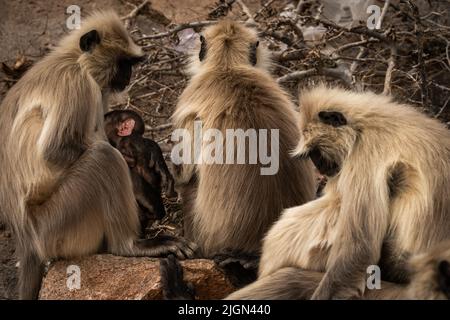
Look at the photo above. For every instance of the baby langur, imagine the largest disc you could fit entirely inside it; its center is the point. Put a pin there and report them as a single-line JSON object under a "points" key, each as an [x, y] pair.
{"points": [[65, 191], [124, 129], [229, 207], [387, 197]]}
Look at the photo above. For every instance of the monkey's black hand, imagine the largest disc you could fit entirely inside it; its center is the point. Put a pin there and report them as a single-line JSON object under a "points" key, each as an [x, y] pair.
{"points": [[240, 267], [173, 285], [164, 245], [229, 256]]}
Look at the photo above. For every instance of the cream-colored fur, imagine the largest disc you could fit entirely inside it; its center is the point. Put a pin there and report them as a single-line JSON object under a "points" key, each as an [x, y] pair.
{"points": [[63, 189], [295, 283], [231, 206], [392, 192]]}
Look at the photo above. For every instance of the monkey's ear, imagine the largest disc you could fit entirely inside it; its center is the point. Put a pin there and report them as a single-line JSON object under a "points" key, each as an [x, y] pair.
{"points": [[203, 48], [333, 118], [89, 40], [444, 277], [253, 56]]}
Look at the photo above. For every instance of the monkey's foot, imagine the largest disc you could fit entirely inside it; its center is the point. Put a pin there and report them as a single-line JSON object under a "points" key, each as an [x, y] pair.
{"points": [[173, 285], [241, 268]]}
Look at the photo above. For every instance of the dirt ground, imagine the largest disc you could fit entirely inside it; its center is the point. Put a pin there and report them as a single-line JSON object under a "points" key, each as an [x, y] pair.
{"points": [[8, 278]]}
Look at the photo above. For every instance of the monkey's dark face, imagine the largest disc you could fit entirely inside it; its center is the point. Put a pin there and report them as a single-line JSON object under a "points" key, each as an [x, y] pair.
{"points": [[122, 75], [110, 58], [323, 163], [326, 139]]}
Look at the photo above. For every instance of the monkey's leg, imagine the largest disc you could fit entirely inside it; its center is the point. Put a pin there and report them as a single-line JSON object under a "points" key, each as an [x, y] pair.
{"points": [[173, 285], [144, 218], [160, 211], [284, 284], [151, 207], [31, 270], [300, 238], [143, 201], [166, 177], [161, 167], [363, 222], [150, 198]]}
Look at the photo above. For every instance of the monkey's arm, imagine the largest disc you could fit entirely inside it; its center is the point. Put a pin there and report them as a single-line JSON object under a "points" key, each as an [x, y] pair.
{"points": [[185, 168], [161, 168], [68, 123], [362, 224]]}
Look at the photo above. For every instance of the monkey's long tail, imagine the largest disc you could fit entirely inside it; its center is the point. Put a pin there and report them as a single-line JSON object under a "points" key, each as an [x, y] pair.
{"points": [[31, 270]]}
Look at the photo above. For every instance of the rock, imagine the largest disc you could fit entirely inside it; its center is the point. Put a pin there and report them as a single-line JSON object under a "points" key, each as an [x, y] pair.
{"points": [[121, 278]]}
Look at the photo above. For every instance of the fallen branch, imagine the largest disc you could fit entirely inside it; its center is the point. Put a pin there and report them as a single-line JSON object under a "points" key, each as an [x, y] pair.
{"points": [[134, 13], [383, 13], [178, 28], [328, 72], [357, 30], [297, 75], [288, 55], [354, 44], [389, 71], [442, 109], [246, 11], [159, 128], [264, 7]]}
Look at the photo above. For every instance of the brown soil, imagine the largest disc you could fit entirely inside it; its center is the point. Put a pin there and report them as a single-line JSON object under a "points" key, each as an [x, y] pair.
{"points": [[8, 276]]}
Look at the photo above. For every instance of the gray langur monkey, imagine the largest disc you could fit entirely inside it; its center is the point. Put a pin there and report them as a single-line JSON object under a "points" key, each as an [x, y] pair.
{"points": [[387, 197], [228, 208], [64, 190], [429, 280]]}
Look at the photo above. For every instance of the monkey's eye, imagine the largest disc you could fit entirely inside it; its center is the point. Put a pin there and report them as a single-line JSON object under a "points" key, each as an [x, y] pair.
{"points": [[332, 118], [203, 48]]}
